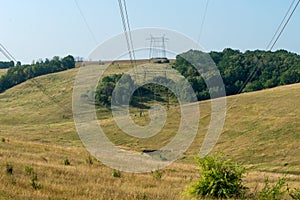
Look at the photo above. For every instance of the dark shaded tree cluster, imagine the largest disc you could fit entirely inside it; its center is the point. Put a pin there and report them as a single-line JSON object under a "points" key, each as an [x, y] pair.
{"points": [[268, 69], [5, 65], [20, 73], [105, 89], [128, 90]]}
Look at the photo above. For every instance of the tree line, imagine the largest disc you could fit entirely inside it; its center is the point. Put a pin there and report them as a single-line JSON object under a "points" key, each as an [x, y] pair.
{"points": [[123, 93], [20, 73], [5, 65], [267, 69]]}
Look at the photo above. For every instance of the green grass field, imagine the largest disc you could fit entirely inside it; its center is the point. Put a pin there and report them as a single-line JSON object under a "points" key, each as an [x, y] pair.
{"points": [[261, 132]]}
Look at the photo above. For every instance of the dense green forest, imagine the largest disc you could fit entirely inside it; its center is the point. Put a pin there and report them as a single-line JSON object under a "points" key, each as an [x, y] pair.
{"points": [[266, 69], [20, 73], [5, 65]]}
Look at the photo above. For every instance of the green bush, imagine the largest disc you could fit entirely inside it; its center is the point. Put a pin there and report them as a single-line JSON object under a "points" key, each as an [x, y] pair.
{"points": [[28, 170], [274, 192], [157, 174], [219, 178], [295, 194], [116, 174], [34, 183], [66, 161], [9, 169]]}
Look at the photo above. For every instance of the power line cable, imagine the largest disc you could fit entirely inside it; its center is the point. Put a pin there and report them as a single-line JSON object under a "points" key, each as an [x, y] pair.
{"points": [[124, 24], [250, 77], [34, 80], [6, 53], [280, 33], [86, 23], [44, 91], [129, 31], [203, 20], [129, 41], [280, 25]]}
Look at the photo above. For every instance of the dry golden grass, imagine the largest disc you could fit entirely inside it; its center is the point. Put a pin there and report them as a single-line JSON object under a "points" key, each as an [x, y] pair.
{"points": [[80, 180], [261, 132], [2, 72]]}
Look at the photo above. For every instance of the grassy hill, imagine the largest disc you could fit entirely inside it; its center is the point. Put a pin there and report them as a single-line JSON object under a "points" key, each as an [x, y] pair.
{"points": [[3, 71], [37, 130]]}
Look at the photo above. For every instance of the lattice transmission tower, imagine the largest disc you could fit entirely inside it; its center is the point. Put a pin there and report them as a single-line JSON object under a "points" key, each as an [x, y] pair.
{"points": [[157, 47]]}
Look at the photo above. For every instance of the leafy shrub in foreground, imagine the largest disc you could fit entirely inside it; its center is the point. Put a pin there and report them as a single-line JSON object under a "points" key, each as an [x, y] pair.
{"points": [[295, 194], [219, 178], [275, 192]]}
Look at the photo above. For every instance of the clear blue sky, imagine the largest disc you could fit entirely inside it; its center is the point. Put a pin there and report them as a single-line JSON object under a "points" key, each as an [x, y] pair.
{"points": [[35, 29]]}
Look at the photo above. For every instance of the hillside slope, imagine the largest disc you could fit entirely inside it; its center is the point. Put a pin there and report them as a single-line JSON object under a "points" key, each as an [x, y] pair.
{"points": [[261, 131], [2, 71]]}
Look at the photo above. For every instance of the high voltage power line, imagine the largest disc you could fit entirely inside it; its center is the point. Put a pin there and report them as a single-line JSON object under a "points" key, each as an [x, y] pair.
{"points": [[130, 46], [6, 53], [86, 23], [270, 45], [203, 20], [127, 30], [280, 25], [275, 41], [129, 41], [285, 24], [42, 88]]}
